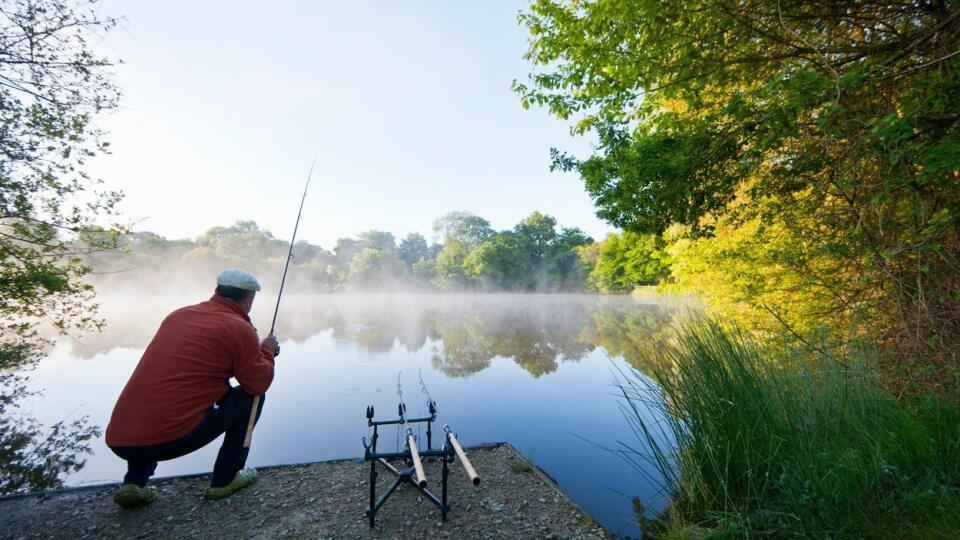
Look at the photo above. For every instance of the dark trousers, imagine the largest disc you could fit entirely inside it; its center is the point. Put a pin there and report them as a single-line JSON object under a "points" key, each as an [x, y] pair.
{"points": [[230, 416]]}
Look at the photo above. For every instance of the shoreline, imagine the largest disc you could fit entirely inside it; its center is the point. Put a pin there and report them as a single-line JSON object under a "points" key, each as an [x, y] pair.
{"points": [[324, 499]]}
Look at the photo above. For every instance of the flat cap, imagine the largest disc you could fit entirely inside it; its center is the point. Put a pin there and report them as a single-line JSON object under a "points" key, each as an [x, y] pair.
{"points": [[241, 279]]}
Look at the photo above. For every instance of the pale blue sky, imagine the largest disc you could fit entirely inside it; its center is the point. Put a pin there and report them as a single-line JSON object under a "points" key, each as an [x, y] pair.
{"points": [[407, 106]]}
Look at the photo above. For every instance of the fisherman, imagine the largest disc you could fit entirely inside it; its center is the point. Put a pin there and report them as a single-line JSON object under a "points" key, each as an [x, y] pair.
{"points": [[179, 397]]}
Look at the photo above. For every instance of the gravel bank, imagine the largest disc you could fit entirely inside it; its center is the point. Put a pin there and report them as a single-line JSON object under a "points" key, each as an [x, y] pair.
{"points": [[325, 500]]}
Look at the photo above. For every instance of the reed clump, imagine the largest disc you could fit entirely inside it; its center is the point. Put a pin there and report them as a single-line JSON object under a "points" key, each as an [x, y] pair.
{"points": [[748, 440]]}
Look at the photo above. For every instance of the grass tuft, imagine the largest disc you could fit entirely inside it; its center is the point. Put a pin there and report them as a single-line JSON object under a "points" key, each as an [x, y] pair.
{"points": [[784, 442]]}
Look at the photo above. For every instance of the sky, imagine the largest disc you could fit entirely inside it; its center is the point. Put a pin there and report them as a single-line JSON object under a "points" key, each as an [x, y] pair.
{"points": [[406, 107]]}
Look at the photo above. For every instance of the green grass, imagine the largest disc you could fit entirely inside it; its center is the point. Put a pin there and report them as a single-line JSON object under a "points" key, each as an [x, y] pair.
{"points": [[523, 466], [788, 443]]}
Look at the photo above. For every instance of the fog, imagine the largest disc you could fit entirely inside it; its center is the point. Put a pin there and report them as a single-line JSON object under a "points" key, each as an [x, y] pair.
{"points": [[537, 331], [466, 255]]}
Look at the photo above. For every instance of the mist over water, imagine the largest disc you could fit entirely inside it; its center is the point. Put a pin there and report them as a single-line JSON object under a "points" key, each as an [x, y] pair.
{"points": [[534, 370]]}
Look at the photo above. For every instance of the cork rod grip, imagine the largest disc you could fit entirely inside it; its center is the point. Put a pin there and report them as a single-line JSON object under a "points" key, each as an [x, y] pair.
{"points": [[467, 466], [252, 422], [417, 464]]}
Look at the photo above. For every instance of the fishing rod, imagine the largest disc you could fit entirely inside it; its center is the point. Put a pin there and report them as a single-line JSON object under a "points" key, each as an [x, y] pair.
{"points": [[412, 456], [286, 266], [256, 399], [411, 441], [451, 436]]}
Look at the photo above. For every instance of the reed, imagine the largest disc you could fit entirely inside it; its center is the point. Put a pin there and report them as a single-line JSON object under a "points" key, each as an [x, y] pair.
{"points": [[750, 440]]}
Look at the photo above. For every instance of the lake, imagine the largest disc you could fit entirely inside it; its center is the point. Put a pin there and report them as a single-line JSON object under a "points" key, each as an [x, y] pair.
{"points": [[536, 371]]}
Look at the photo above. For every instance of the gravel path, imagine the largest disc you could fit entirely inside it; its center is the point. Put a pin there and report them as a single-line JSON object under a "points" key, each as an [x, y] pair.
{"points": [[325, 500]]}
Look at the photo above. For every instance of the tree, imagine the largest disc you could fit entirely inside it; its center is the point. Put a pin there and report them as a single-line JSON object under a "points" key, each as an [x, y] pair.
{"points": [[243, 243], [376, 268], [52, 85], [624, 261], [305, 251], [372, 260], [538, 233], [379, 240], [502, 262], [552, 260], [450, 265], [425, 270], [462, 227], [344, 251], [837, 121], [567, 270], [414, 249]]}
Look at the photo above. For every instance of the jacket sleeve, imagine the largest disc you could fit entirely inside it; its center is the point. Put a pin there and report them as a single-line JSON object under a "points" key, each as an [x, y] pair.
{"points": [[252, 364]]}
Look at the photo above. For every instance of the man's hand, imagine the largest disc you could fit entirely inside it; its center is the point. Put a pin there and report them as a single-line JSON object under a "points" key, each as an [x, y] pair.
{"points": [[271, 341]]}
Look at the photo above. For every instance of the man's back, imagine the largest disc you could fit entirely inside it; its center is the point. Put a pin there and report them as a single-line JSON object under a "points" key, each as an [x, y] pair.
{"points": [[185, 369]]}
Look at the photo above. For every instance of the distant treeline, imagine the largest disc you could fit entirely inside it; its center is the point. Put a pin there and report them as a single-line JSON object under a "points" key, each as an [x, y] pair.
{"points": [[467, 254]]}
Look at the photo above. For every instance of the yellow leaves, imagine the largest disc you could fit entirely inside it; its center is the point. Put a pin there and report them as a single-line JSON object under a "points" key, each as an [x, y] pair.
{"points": [[674, 105], [760, 276]]}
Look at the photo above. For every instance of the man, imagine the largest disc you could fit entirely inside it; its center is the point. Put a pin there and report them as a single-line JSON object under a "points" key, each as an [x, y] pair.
{"points": [[179, 397]]}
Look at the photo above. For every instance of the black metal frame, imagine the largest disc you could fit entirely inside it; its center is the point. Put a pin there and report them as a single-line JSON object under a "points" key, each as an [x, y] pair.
{"points": [[405, 475]]}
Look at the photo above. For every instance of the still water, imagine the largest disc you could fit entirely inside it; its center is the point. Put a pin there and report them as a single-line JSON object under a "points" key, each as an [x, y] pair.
{"points": [[536, 371]]}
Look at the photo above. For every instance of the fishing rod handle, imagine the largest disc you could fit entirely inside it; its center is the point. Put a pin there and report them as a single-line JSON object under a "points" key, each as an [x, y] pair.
{"points": [[417, 464], [248, 437], [467, 466]]}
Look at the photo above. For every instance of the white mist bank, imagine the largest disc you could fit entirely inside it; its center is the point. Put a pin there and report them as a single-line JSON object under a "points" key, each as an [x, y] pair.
{"points": [[379, 320]]}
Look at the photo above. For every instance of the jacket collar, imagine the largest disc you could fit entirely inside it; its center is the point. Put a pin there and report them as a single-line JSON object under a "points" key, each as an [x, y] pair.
{"points": [[230, 304]]}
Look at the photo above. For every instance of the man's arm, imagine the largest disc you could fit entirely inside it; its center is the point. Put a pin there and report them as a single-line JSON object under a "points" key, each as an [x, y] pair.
{"points": [[253, 364]]}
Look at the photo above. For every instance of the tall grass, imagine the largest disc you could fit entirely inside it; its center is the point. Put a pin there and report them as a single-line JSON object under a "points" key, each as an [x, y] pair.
{"points": [[789, 443]]}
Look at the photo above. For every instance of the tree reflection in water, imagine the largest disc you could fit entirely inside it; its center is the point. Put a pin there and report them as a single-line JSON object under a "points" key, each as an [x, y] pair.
{"points": [[469, 331], [466, 331], [33, 458]]}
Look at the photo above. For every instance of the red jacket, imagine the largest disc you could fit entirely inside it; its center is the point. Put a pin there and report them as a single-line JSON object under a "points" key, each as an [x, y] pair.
{"points": [[186, 369]]}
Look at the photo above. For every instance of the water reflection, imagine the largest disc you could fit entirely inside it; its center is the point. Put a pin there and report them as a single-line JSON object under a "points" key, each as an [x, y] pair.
{"points": [[32, 456], [538, 332]]}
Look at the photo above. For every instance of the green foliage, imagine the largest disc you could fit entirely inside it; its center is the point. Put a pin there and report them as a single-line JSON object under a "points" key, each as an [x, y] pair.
{"points": [[51, 86], [462, 227], [832, 133], [375, 268], [564, 269], [785, 442], [625, 261], [450, 266], [533, 256], [242, 243], [413, 249], [425, 270], [52, 214], [538, 234], [378, 240], [345, 250], [502, 261]]}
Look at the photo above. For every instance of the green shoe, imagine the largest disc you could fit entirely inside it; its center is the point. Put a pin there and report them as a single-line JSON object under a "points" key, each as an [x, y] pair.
{"points": [[134, 496], [244, 478]]}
